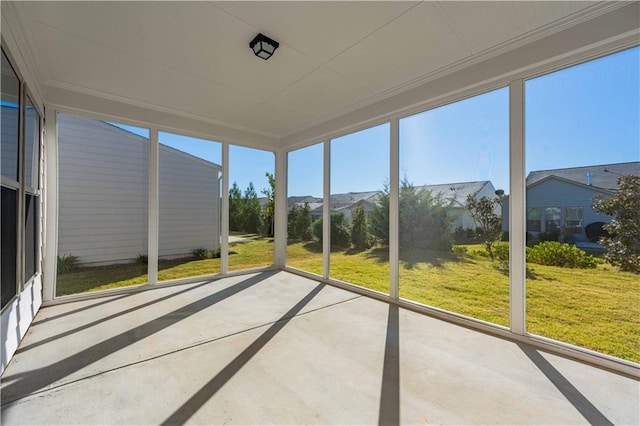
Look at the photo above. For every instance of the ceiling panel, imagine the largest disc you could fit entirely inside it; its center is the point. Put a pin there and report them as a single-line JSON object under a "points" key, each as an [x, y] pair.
{"points": [[486, 24], [320, 30], [191, 37], [193, 57], [409, 47], [106, 70], [321, 93]]}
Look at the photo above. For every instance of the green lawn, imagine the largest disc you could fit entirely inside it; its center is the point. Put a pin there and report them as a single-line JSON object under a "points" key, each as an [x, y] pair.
{"points": [[242, 255], [595, 308]]}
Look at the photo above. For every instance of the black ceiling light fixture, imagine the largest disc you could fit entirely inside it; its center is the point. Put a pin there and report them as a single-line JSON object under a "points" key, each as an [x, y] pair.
{"points": [[263, 47]]}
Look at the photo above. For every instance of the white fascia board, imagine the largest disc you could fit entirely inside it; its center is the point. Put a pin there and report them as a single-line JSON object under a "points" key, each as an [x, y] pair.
{"points": [[128, 113]]}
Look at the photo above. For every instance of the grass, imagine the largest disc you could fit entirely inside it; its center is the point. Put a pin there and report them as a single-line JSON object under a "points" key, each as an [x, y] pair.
{"points": [[242, 255], [594, 308]]}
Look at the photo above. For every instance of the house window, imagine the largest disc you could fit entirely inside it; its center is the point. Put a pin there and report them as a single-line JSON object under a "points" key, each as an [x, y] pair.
{"points": [[573, 220], [534, 218], [10, 144], [552, 216], [19, 160], [31, 159]]}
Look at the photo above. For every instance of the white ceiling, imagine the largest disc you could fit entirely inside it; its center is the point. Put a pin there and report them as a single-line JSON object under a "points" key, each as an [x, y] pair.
{"points": [[193, 58]]}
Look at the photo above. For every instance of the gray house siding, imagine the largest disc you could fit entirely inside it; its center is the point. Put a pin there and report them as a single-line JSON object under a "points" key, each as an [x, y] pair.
{"points": [[554, 192], [103, 195], [189, 203]]}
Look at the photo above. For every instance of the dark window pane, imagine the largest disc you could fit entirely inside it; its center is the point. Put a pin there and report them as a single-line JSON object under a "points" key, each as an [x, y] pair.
{"points": [[9, 243], [30, 235], [9, 118], [32, 146]]}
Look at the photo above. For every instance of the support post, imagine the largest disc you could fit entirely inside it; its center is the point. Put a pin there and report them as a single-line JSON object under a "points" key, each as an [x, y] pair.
{"points": [[517, 259]]}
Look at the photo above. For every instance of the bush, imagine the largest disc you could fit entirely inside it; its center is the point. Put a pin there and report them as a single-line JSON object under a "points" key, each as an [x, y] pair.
{"points": [[340, 234], [424, 223], [67, 263], [553, 253], [142, 259], [465, 235], [460, 249], [501, 252], [200, 253]]}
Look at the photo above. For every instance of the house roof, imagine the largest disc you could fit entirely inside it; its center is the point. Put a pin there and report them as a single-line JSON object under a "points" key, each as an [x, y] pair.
{"points": [[603, 176], [458, 192]]}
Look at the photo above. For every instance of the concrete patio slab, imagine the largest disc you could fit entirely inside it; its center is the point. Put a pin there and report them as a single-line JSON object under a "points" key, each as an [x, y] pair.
{"points": [[275, 348]]}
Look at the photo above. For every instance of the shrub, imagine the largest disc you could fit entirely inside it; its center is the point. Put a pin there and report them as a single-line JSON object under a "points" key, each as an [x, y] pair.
{"points": [[423, 221], [460, 249], [200, 253], [465, 235], [340, 234], [501, 252], [67, 263], [141, 259], [553, 253]]}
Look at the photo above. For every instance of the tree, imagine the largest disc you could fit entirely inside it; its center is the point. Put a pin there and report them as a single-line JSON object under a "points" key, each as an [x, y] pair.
{"points": [[299, 223], [235, 208], [251, 210], [379, 217], [269, 208], [424, 223], [340, 234], [623, 242], [303, 226], [489, 223], [359, 228]]}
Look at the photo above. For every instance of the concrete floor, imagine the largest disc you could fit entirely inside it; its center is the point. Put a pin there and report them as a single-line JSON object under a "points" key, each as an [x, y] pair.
{"points": [[275, 348]]}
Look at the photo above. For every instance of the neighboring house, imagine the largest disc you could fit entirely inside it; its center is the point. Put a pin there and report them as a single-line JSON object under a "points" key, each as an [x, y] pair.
{"points": [[103, 187], [453, 193], [456, 194], [560, 200]]}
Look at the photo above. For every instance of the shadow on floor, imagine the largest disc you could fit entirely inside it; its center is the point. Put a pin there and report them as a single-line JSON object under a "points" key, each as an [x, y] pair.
{"points": [[184, 413], [23, 384], [573, 395], [390, 393], [100, 321]]}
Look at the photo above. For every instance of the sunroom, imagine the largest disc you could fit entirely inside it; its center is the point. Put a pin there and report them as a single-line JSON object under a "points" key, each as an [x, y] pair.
{"points": [[391, 214]]}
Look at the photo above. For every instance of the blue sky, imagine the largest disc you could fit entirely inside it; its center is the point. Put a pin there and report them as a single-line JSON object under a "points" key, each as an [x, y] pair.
{"points": [[584, 115]]}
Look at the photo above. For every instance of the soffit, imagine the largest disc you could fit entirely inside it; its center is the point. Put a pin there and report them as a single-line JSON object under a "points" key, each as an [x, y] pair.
{"points": [[193, 59]]}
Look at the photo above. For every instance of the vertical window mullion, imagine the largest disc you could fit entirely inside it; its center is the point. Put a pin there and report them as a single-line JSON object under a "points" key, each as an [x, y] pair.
{"points": [[326, 211], [517, 262], [224, 239], [21, 191], [394, 216], [152, 259]]}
